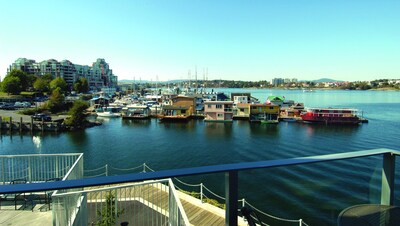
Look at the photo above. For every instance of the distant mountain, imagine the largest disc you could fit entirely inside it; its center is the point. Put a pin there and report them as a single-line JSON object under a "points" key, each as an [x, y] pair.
{"points": [[133, 81], [326, 80], [147, 81]]}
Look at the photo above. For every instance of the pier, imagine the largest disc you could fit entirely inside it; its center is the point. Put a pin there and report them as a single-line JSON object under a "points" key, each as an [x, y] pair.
{"points": [[22, 126]]}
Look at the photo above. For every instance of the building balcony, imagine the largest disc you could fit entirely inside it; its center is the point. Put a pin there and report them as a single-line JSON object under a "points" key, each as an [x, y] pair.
{"points": [[152, 199]]}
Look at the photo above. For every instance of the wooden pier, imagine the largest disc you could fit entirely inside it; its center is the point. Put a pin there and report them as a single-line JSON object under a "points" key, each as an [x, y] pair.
{"points": [[20, 125]]}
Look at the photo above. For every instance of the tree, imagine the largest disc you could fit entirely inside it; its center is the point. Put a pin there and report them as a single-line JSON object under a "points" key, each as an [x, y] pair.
{"points": [[48, 77], [17, 81], [58, 83], [81, 86], [56, 100], [42, 85], [77, 113], [11, 85]]}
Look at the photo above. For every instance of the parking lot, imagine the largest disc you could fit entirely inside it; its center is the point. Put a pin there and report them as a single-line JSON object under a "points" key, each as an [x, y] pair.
{"points": [[25, 118]]}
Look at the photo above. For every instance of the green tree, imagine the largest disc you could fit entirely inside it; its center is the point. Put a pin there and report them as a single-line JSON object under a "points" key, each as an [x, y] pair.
{"points": [[107, 213], [48, 77], [81, 86], [11, 85], [58, 83], [21, 75], [77, 113], [56, 100], [42, 85]]}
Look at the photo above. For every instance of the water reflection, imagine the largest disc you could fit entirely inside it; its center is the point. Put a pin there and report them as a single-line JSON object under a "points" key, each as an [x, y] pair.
{"points": [[322, 129], [37, 142], [178, 124], [78, 138], [218, 129], [271, 130], [136, 123]]}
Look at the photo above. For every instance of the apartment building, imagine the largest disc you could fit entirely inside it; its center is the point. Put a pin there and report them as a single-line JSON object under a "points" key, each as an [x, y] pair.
{"points": [[98, 75]]}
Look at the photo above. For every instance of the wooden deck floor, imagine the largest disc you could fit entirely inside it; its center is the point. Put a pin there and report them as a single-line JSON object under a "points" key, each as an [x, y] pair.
{"points": [[154, 206]]}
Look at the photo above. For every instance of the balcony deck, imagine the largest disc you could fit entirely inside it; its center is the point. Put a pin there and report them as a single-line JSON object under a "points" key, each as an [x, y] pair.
{"points": [[198, 213], [25, 217]]}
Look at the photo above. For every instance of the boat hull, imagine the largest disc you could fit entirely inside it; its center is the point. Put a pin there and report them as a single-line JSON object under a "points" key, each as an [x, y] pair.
{"points": [[331, 120], [174, 118], [107, 115], [269, 121]]}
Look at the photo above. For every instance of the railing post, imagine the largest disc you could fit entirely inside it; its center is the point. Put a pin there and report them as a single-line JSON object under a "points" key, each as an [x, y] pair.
{"points": [[201, 192], [29, 170], [300, 222], [11, 124], [106, 169], [387, 191], [3, 170], [144, 167], [231, 197]]}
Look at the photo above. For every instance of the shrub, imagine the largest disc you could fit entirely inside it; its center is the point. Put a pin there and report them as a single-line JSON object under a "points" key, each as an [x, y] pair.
{"points": [[78, 116]]}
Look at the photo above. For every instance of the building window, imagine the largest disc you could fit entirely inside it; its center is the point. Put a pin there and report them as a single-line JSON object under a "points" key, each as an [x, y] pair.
{"points": [[209, 106], [218, 106], [219, 115]]}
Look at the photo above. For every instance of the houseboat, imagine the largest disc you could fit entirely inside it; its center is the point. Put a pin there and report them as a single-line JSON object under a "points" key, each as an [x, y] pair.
{"points": [[109, 112], [175, 113], [138, 112], [218, 111], [264, 113], [331, 115]]}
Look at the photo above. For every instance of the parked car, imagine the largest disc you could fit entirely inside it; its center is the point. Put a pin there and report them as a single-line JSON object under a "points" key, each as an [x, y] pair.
{"points": [[22, 104], [7, 106], [41, 117]]}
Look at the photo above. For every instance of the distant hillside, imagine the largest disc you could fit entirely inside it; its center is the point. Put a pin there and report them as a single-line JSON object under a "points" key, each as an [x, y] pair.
{"points": [[147, 81], [326, 80], [133, 81]]}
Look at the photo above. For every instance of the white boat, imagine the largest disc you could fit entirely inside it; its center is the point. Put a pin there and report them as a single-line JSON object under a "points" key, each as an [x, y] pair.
{"points": [[109, 112]]}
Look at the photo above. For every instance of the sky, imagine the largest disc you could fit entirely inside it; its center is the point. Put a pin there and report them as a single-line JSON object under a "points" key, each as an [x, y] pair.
{"points": [[355, 40]]}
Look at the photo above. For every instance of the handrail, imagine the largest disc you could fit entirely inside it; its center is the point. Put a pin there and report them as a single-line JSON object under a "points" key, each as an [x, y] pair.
{"points": [[39, 155], [135, 177]]}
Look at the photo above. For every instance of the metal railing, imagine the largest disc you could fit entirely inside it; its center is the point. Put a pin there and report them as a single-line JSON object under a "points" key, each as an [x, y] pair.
{"points": [[145, 203], [72, 204], [199, 190], [231, 177], [36, 167]]}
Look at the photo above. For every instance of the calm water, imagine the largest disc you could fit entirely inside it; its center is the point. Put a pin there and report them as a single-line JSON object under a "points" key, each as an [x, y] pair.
{"points": [[315, 193]]}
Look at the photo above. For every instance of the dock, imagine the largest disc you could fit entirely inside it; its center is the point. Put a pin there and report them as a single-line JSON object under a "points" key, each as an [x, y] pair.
{"points": [[21, 125]]}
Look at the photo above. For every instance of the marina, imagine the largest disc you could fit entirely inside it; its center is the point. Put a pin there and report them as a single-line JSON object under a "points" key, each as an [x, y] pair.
{"points": [[279, 192]]}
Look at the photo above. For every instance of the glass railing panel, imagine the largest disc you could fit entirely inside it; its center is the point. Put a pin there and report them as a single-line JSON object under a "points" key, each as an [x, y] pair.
{"points": [[315, 193]]}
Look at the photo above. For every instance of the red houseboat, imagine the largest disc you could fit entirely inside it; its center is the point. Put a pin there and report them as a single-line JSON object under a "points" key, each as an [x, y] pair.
{"points": [[331, 115]]}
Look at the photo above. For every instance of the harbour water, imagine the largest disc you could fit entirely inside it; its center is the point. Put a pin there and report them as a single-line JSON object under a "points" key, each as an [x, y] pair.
{"points": [[316, 193]]}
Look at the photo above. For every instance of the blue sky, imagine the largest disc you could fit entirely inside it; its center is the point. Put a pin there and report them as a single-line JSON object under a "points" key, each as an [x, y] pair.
{"points": [[235, 40]]}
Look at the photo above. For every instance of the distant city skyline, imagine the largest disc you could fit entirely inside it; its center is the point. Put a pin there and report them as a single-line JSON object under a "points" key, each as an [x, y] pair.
{"points": [[231, 40]]}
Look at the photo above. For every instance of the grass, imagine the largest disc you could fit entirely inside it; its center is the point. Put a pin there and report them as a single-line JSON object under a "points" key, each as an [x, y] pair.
{"points": [[5, 95], [5, 118]]}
